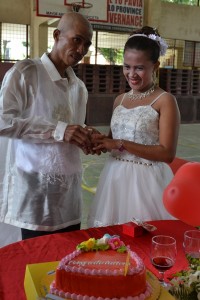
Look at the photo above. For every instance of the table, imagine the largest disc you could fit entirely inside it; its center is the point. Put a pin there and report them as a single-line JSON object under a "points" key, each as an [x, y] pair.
{"points": [[15, 257]]}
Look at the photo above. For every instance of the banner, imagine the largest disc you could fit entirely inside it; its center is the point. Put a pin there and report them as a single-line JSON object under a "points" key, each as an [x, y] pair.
{"points": [[124, 15], [107, 15]]}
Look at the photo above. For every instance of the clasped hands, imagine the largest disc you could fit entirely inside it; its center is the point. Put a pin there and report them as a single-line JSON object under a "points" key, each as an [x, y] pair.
{"points": [[84, 138]]}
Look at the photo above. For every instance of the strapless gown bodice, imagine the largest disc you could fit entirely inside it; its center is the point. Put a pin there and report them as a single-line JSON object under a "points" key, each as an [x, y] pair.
{"points": [[139, 124]]}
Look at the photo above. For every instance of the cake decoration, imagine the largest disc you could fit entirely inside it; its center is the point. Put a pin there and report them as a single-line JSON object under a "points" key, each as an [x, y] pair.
{"points": [[104, 243]]}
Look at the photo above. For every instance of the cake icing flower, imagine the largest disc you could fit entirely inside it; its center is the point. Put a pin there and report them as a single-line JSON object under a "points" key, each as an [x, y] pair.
{"points": [[89, 244], [104, 239], [115, 243], [104, 243]]}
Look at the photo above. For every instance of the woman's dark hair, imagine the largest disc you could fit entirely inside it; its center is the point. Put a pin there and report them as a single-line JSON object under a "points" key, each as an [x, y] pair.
{"points": [[151, 47]]}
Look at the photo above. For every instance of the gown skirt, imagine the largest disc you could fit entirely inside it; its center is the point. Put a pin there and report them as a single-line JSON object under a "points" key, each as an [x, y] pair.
{"points": [[129, 190]]}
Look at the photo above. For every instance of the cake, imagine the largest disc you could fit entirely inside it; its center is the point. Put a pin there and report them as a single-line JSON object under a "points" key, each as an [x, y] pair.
{"points": [[101, 269]]}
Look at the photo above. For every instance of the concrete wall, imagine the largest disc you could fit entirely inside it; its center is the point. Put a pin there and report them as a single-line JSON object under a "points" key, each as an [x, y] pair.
{"points": [[15, 11], [174, 21]]}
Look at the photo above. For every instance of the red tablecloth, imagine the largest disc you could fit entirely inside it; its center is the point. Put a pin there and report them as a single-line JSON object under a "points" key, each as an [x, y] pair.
{"points": [[13, 258]]}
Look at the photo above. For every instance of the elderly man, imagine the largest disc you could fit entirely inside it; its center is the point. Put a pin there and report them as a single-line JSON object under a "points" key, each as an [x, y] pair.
{"points": [[42, 114]]}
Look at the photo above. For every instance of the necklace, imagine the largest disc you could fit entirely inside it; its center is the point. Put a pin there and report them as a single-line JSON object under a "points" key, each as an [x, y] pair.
{"points": [[132, 95]]}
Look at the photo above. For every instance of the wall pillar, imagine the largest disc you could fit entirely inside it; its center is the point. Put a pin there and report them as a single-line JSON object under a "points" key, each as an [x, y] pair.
{"points": [[38, 40]]}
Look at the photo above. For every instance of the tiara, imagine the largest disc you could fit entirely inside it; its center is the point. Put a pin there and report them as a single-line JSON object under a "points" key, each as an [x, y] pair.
{"points": [[162, 44]]}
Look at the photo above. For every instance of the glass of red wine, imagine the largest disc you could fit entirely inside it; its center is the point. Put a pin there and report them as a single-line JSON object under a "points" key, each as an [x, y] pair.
{"points": [[163, 255]]}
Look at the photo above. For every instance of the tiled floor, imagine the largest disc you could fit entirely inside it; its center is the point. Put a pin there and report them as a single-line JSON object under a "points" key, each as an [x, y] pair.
{"points": [[188, 148]]}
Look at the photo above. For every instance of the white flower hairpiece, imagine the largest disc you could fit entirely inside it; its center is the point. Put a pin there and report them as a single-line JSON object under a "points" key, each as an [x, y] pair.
{"points": [[162, 44]]}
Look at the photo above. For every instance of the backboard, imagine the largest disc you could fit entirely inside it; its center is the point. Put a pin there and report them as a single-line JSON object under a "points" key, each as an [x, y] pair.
{"points": [[94, 10]]}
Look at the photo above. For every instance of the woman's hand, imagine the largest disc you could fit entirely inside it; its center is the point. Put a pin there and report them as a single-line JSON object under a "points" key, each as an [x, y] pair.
{"points": [[92, 134], [104, 143]]}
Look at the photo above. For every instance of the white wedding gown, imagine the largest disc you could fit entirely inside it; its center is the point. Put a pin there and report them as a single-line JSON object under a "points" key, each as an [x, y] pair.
{"points": [[130, 186]]}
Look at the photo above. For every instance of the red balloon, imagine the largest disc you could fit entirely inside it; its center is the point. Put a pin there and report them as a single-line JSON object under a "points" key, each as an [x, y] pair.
{"points": [[182, 196]]}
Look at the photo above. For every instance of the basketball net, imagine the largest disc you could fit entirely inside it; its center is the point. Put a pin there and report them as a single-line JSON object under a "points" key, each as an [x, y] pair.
{"points": [[83, 6], [76, 7]]}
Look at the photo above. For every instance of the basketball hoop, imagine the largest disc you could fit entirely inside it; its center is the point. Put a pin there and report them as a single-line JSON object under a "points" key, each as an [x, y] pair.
{"points": [[76, 6]]}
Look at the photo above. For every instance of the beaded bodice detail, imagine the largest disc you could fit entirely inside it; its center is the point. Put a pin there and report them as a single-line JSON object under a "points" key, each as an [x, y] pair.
{"points": [[139, 124]]}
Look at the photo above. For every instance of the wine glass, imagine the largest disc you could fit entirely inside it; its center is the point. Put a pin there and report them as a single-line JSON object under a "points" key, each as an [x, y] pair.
{"points": [[191, 246], [163, 255]]}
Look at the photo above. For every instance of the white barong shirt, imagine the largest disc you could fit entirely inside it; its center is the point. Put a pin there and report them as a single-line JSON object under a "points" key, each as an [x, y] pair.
{"points": [[40, 175]]}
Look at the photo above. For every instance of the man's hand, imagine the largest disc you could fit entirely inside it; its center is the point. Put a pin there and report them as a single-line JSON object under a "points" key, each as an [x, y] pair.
{"points": [[83, 138], [77, 135]]}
